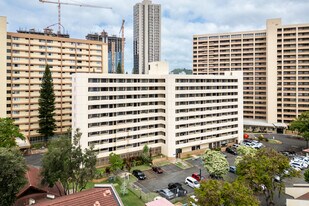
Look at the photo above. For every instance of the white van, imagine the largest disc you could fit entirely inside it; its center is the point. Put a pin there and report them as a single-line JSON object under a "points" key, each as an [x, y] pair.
{"points": [[192, 182]]}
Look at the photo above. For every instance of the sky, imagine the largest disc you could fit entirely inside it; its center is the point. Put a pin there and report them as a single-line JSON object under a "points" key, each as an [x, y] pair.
{"points": [[181, 19]]}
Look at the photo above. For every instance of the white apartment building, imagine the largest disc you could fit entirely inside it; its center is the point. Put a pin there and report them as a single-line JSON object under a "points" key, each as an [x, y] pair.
{"points": [[274, 62], [23, 57], [146, 35], [174, 115]]}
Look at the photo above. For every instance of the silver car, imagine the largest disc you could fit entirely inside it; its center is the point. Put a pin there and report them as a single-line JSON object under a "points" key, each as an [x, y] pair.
{"points": [[166, 193]]}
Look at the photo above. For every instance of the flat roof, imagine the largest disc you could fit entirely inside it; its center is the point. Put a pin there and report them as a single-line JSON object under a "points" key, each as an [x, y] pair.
{"points": [[160, 202], [260, 123]]}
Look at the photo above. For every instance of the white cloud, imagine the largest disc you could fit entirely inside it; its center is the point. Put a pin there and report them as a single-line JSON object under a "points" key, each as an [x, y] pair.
{"points": [[182, 19]]}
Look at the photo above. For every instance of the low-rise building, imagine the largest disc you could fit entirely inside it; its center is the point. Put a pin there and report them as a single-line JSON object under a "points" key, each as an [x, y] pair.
{"points": [[174, 115]]}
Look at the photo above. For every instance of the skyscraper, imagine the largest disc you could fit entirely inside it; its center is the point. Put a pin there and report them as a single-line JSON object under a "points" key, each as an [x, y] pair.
{"points": [[114, 49], [147, 35]]}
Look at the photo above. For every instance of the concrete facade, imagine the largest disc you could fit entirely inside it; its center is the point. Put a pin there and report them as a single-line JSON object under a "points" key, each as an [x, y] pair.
{"points": [[23, 57], [274, 62], [146, 35], [3, 71], [173, 114]]}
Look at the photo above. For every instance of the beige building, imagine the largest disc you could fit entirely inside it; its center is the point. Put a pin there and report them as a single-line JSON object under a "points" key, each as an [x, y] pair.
{"points": [[175, 115], [23, 56], [275, 66], [299, 194]]}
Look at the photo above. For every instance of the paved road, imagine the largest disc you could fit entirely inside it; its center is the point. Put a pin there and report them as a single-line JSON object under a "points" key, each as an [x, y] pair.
{"points": [[34, 160]]}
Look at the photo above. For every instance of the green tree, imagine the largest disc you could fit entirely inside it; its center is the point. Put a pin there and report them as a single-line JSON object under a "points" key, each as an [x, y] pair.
{"points": [[242, 151], [306, 175], [8, 133], [259, 170], [146, 157], [217, 192], [301, 125], [119, 70], [47, 124], [215, 163], [116, 162], [12, 174], [68, 163]]}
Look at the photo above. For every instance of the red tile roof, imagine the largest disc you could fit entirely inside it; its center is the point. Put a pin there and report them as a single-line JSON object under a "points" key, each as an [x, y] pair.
{"points": [[304, 196], [34, 181], [100, 196]]}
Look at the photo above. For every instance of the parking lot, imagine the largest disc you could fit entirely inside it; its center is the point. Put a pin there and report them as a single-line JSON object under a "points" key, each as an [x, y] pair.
{"points": [[172, 173]]}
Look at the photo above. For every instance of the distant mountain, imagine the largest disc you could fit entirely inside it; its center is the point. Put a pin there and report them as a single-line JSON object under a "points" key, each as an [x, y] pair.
{"points": [[181, 71]]}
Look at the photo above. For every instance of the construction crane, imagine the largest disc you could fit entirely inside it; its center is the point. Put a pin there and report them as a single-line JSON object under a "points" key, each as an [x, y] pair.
{"points": [[122, 45], [59, 3]]}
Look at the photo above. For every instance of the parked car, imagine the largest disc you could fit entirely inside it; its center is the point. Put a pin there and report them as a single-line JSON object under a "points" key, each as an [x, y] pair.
{"points": [[192, 182], [213, 176], [302, 159], [166, 193], [157, 170], [177, 189], [298, 165], [235, 146], [197, 176], [277, 178], [256, 145], [231, 150], [232, 169], [139, 174]]}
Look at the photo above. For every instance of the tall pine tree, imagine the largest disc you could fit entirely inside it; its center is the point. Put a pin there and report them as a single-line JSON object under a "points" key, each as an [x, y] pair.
{"points": [[47, 106]]}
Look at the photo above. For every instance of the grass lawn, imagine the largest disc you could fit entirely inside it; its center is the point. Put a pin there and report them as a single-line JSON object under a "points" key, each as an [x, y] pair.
{"points": [[129, 199], [163, 163], [141, 167]]}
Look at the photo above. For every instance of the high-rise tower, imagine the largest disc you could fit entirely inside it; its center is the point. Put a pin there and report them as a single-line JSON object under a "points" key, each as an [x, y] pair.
{"points": [[147, 35]]}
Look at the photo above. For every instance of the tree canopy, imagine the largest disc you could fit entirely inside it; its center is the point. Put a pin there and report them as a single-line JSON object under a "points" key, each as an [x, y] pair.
{"points": [[68, 163], [215, 163], [259, 172], [146, 155], [47, 124], [242, 151], [217, 192], [12, 174], [8, 133], [116, 162], [306, 175], [301, 125]]}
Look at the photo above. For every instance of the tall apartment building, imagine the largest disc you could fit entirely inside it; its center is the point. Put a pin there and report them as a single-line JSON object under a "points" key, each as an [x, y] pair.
{"points": [[146, 35], [174, 115], [114, 43], [275, 66], [23, 57]]}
